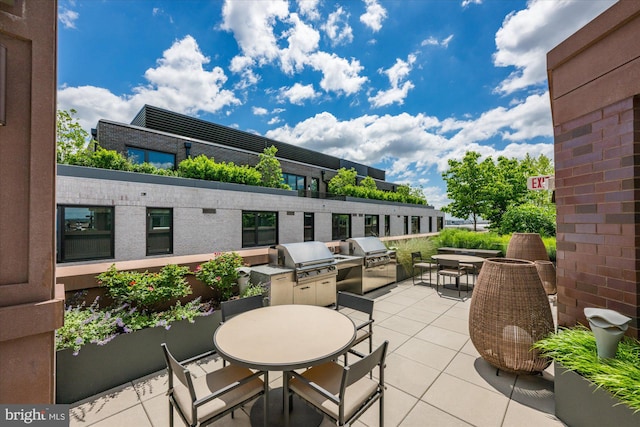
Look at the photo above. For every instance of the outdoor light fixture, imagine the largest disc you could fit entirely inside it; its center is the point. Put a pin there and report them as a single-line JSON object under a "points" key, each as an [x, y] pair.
{"points": [[3, 84]]}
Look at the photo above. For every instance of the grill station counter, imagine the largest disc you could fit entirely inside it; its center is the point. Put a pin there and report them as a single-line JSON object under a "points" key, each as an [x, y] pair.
{"points": [[378, 268], [299, 273]]}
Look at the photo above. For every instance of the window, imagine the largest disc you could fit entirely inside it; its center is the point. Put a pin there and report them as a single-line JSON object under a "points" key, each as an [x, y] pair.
{"points": [[406, 225], [387, 225], [296, 182], [308, 227], [156, 158], [415, 225], [371, 227], [85, 233], [341, 226], [259, 228], [430, 224], [159, 231]]}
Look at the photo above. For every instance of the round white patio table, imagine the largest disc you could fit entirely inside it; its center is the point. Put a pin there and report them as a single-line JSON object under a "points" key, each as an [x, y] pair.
{"points": [[284, 338]]}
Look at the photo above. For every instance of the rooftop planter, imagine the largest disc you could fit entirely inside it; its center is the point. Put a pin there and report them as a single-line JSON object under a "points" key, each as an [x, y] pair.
{"points": [[590, 391]]}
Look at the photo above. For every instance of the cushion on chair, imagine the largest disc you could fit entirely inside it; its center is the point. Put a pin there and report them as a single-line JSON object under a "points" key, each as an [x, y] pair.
{"points": [[361, 335], [212, 382], [328, 376], [450, 273]]}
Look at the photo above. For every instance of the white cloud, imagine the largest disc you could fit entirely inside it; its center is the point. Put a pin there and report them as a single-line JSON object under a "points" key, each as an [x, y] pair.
{"points": [[433, 41], [337, 27], [179, 82], [374, 15], [68, 17], [309, 8], [339, 75], [259, 111], [298, 93], [253, 24], [274, 120], [527, 35], [466, 3], [302, 40], [410, 146], [399, 89]]}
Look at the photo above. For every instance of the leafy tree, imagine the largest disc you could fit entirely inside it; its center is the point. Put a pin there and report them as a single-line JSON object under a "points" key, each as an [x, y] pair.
{"points": [[539, 166], [529, 218], [506, 186], [344, 178], [70, 137], [270, 168], [466, 186], [368, 183]]}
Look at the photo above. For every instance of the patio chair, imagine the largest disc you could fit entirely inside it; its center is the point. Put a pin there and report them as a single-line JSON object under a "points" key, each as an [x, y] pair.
{"points": [[233, 307], [418, 262], [343, 393], [451, 269], [204, 399], [364, 329]]}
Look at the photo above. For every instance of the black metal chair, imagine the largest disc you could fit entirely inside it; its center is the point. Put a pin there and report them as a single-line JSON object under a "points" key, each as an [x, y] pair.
{"points": [[418, 262], [236, 306], [364, 329], [451, 269], [233, 307], [343, 393], [204, 399]]}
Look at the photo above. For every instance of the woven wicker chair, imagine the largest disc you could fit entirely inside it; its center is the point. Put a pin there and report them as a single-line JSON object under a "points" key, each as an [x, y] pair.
{"points": [[509, 312], [527, 246]]}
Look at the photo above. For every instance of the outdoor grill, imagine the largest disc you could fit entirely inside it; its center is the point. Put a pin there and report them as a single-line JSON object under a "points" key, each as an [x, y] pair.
{"points": [[310, 260], [378, 268]]}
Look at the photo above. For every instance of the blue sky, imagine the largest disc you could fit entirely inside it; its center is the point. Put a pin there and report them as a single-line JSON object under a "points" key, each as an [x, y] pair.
{"points": [[402, 85]]}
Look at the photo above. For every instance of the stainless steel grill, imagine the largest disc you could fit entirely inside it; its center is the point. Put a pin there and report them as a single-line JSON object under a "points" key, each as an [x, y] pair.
{"points": [[309, 260], [378, 268]]}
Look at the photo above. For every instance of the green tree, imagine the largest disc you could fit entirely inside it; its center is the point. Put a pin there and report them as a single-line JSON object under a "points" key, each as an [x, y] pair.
{"points": [[70, 137], [506, 186], [270, 168], [539, 166], [340, 183], [466, 186], [368, 183]]}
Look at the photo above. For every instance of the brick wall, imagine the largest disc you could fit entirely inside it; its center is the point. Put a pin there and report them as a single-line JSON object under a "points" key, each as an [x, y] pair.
{"points": [[597, 159]]}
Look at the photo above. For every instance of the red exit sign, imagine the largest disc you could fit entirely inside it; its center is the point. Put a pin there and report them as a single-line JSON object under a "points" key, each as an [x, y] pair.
{"points": [[545, 182]]}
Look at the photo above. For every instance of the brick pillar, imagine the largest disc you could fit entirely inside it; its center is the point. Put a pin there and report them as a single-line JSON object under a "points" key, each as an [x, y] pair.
{"points": [[597, 160]]}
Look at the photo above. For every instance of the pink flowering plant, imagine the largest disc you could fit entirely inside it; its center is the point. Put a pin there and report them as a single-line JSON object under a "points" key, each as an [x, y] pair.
{"points": [[220, 272], [146, 290]]}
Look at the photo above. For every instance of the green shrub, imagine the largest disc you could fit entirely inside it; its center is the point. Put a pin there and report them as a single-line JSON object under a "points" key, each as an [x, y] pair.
{"points": [[575, 349], [253, 290], [84, 325], [405, 247], [203, 167], [462, 238], [220, 272], [529, 218], [143, 289]]}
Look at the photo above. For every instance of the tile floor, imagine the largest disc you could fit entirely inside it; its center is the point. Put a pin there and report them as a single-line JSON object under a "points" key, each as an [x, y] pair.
{"points": [[434, 375]]}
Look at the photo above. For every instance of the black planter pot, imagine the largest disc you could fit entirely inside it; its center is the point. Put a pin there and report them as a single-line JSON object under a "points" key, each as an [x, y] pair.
{"points": [[580, 403], [129, 356]]}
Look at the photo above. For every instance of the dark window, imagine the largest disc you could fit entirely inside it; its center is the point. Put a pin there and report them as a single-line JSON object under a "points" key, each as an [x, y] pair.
{"points": [[341, 226], [406, 225], [85, 233], [371, 226], [296, 182], [430, 224], [156, 158], [315, 184], [415, 225], [159, 231], [387, 225], [308, 227], [259, 228]]}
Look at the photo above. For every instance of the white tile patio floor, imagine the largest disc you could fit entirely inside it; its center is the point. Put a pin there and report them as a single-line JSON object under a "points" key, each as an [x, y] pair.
{"points": [[434, 375]]}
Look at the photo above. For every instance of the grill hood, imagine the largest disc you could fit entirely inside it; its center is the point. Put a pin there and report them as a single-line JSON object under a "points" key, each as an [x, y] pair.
{"points": [[366, 246], [301, 255]]}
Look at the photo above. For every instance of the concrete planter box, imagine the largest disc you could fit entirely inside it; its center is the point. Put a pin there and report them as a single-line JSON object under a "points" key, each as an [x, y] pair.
{"points": [[580, 403], [129, 356]]}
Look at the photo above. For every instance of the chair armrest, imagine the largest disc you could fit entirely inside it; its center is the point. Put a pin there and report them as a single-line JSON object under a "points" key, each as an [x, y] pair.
{"points": [[362, 325], [315, 387], [227, 389], [199, 356]]}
